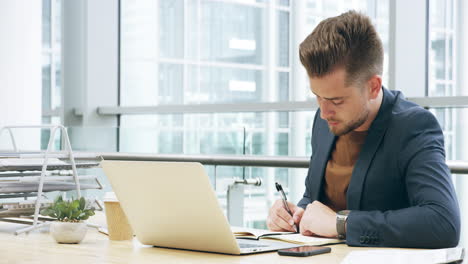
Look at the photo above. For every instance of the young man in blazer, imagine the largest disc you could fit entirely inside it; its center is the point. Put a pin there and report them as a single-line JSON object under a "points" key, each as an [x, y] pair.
{"points": [[377, 175]]}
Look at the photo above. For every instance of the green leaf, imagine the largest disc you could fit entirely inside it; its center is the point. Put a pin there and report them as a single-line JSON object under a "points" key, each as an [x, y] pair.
{"points": [[65, 211], [89, 212], [60, 206], [70, 211], [76, 214], [59, 215], [59, 199], [82, 203], [48, 212]]}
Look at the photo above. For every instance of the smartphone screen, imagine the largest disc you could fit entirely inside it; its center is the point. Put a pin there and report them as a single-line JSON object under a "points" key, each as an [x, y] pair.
{"points": [[304, 251]]}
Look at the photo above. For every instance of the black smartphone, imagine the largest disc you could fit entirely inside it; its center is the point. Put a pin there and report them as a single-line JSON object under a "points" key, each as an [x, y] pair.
{"points": [[304, 251]]}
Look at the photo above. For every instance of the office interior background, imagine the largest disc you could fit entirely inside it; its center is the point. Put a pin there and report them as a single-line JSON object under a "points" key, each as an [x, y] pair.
{"points": [[214, 77]]}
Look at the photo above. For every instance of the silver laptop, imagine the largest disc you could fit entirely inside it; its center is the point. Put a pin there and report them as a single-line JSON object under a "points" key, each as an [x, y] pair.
{"points": [[172, 204]]}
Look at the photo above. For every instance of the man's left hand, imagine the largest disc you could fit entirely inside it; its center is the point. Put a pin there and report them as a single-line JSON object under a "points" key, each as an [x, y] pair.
{"points": [[318, 219]]}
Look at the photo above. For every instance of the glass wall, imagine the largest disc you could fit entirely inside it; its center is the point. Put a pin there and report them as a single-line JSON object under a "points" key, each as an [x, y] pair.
{"points": [[443, 73], [51, 65], [51, 61], [443, 81], [209, 51], [185, 52]]}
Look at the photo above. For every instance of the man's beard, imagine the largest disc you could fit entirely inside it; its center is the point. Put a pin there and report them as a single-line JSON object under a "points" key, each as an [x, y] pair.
{"points": [[352, 125]]}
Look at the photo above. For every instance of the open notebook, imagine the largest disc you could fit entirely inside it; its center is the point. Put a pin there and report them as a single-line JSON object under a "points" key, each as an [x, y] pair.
{"points": [[257, 234]]}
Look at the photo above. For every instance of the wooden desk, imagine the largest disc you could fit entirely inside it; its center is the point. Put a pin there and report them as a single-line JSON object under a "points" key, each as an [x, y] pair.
{"points": [[39, 247], [96, 248]]}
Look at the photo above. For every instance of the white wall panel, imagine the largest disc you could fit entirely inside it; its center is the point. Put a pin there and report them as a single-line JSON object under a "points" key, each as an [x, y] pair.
{"points": [[20, 67]]}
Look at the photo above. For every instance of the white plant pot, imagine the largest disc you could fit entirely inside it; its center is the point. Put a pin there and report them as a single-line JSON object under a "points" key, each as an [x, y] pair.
{"points": [[68, 233]]}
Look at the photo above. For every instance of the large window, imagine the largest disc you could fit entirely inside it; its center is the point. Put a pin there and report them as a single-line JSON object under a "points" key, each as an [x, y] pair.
{"points": [[443, 70], [442, 73], [186, 52], [204, 52], [51, 61], [210, 51], [51, 66]]}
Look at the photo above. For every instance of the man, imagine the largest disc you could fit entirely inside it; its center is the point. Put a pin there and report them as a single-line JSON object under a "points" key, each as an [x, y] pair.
{"points": [[377, 175]]}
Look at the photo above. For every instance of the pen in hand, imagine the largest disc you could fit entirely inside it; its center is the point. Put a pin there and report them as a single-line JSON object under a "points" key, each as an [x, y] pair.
{"points": [[279, 188]]}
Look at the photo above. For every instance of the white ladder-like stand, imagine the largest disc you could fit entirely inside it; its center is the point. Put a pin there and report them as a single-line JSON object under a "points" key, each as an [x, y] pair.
{"points": [[45, 155]]}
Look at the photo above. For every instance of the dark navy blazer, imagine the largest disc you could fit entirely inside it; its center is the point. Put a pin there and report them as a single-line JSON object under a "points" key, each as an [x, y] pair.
{"points": [[401, 193]]}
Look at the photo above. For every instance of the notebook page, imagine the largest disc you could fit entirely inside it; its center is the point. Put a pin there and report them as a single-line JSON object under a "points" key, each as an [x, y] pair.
{"points": [[305, 240]]}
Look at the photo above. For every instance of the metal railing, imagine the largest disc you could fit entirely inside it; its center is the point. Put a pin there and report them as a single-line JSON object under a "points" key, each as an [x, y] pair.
{"points": [[455, 166], [429, 102], [235, 191]]}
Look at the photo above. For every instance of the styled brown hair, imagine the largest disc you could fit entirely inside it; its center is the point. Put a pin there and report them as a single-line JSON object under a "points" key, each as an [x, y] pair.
{"points": [[348, 40]]}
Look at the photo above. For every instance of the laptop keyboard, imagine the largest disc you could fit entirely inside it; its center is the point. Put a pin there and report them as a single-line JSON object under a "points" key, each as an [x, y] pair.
{"points": [[246, 245]]}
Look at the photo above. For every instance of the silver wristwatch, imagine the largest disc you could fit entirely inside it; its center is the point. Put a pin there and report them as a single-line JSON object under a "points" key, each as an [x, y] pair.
{"points": [[341, 217]]}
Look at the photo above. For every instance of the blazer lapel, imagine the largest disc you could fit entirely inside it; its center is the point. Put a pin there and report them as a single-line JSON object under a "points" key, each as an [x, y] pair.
{"points": [[372, 143], [324, 148]]}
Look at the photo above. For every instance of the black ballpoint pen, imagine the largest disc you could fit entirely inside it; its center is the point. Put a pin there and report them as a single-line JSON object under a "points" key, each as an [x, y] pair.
{"points": [[279, 188]]}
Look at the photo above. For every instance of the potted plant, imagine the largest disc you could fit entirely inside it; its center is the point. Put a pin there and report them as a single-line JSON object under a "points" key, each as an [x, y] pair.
{"points": [[70, 228]]}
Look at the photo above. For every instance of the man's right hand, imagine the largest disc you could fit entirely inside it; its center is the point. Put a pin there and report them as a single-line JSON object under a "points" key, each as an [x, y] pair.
{"points": [[280, 220]]}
